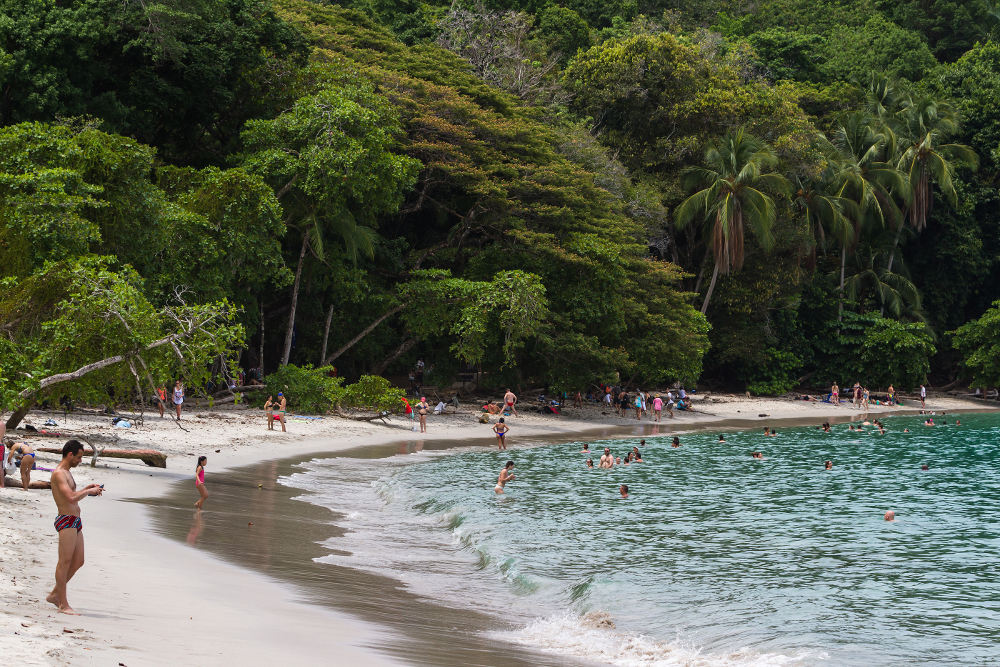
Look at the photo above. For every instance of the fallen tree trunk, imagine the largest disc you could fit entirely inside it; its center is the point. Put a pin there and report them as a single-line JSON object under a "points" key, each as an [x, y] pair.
{"points": [[150, 457], [37, 484], [382, 415]]}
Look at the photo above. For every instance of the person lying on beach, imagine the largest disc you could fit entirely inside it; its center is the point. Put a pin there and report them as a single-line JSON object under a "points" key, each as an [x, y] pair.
{"points": [[505, 476], [491, 407], [607, 460], [623, 489], [199, 480]]}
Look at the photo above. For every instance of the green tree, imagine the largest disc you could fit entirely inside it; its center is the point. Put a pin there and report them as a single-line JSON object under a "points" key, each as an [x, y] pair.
{"points": [[978, 341], [731, 195], [330, 159], [897, 353]]}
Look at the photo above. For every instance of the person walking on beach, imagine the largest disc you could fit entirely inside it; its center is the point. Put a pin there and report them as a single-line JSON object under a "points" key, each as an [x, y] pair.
{"points": [[835, 394], [422, 408], [68, 524], [161, 395], [199, 480], [280, 414], [509, 399], [923, 396], [178, 397], [505, 476], [269, 411], [500, 428]]}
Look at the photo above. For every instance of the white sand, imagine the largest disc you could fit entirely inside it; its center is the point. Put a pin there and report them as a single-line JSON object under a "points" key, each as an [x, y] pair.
{"points": [[147, 600]]}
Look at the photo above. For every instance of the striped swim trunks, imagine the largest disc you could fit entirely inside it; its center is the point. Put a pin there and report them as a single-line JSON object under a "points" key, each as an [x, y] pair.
{"points": [[64, 521]]}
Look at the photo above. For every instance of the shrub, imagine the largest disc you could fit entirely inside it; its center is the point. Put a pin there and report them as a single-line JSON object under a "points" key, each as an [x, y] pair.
{"points": [[308, 389], [372, 392]]}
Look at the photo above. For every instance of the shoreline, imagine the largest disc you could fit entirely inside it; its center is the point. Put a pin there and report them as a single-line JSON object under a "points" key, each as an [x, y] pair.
{"points": [[139, 591]]}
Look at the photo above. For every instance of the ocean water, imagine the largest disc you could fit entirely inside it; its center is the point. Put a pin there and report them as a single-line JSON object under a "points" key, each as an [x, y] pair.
{"points": [[715, 559]]}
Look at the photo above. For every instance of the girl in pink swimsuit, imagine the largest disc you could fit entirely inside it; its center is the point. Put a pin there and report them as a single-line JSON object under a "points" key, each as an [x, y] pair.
{"points": [[199, 480]]}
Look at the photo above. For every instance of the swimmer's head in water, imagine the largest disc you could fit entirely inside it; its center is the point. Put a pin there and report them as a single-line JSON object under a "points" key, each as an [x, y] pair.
{"points": [[623, 489], [590, 463], [925, 467], [890, 515], [829, 465]]}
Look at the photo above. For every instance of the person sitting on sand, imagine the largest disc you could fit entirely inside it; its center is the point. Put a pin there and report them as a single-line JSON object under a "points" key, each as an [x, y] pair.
{"points": [[505, 476], [22, 456], [607, 460], [623, 489], [491, 408]]}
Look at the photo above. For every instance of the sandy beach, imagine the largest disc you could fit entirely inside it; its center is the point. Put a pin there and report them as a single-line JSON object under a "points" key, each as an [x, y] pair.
{"points": [[145, 599]]}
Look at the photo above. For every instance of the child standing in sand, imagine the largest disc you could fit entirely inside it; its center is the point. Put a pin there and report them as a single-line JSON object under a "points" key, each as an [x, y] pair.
{"points": [[199, 480]]}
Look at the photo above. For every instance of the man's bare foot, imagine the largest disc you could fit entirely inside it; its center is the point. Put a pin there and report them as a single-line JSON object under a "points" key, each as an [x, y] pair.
{"points": [[68, 610], [51, 597]]}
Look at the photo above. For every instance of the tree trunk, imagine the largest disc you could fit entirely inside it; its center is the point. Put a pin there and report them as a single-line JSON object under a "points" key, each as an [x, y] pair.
{"points": [[367, 330], [403, 348], [701, 272], [260, 353], [711, 288], [295, 299], [18, 414], [895, 244], [326, 334], [840, 306]]}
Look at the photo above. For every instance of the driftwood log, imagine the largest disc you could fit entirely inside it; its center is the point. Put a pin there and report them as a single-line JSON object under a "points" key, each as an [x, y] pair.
{"points": [[16, 483], [150, 457]]}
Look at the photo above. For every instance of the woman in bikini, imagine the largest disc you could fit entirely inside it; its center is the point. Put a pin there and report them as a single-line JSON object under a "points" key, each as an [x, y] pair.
{"points": [[25, 460], [422, 408], [501, 428], [199, 480], [505, 476], [269, 411]]}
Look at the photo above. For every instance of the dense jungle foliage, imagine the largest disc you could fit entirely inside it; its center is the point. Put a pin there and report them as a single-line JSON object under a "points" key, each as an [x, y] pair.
{"points": [[754, 195]]}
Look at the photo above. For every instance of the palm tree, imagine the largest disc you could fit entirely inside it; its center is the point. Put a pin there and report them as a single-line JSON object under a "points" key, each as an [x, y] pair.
{"points": [[866, 178], [730, 196], [893, 291], [921, 125]]}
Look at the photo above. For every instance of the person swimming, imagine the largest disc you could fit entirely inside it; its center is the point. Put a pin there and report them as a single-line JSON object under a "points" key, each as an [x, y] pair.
{"points": [[623, 489], [676, 442], [890, 515], [722, 438], [586, 449], [505, 476], [828, 465], [590, 463]]}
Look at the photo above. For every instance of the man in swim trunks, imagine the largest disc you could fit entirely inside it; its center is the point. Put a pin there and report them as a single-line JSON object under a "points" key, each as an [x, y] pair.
{"points": [[505, 476], [607, 460], [509, 399], [23, 456], [68, 524]]}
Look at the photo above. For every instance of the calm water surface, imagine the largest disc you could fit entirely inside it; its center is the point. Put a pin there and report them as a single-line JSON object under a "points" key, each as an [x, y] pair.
{"points": [[716, 559]]}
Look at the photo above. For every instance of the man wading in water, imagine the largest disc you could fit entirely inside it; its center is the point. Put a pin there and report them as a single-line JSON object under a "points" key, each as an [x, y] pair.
{"points": [[68, 524]]}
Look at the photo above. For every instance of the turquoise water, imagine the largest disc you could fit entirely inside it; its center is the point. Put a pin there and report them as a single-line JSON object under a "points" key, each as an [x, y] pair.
{"points": [[715, 558]]}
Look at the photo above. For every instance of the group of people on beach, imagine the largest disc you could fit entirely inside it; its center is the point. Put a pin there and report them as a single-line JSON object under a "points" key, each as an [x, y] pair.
{"points": [[861, 396]]}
